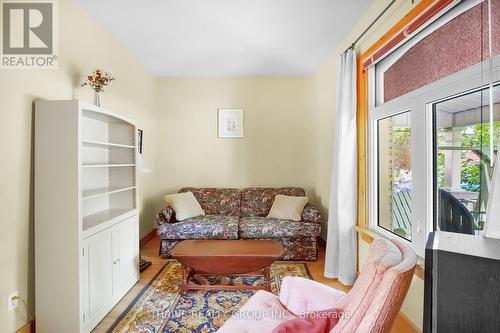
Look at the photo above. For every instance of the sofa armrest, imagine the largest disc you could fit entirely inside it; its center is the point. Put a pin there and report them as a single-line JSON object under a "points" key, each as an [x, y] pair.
{"points": [[301, 296], [311, 214], [166, 215]]}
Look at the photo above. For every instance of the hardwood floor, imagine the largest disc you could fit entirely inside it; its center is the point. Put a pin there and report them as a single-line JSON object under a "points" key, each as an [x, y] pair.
{"points": [[150, 252]]}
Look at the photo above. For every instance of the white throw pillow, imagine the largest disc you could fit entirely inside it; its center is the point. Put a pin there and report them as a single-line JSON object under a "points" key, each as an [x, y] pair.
{"points": [[287, 207], [184, 205]]}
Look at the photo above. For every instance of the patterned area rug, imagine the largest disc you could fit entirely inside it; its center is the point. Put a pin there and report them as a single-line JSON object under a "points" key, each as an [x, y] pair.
{"points": [[160, 307]]}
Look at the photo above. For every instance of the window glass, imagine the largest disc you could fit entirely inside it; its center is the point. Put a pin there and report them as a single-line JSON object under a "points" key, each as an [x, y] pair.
{"points": [[394, 174], [463, 159]]}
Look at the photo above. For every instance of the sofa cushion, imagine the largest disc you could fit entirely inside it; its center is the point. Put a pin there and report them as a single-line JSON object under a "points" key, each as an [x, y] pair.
{"points": [[257, 201], [262, 227], [261, 313], [202, 227], [287, 207], [217, 201], [316, 322], [184, 205]]}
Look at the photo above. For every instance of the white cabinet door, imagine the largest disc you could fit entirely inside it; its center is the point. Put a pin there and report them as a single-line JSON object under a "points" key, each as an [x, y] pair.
{"points": [[128, 253], [98, 279], [111, 268]]}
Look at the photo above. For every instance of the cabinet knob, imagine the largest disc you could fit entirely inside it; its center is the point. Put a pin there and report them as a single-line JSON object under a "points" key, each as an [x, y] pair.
{"points": [[116, 261]]}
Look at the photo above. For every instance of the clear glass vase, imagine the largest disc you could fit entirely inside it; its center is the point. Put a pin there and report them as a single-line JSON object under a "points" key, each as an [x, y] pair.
{"points": [[97, 100]]}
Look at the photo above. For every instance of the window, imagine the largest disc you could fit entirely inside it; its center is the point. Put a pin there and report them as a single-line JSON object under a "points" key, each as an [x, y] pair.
{"points": [[431, 147], [431, 157], [463, 159], [394, 174]]}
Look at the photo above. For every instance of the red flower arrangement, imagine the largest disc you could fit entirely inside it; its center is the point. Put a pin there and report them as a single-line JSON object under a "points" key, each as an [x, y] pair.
{"points": [[97, 80]]}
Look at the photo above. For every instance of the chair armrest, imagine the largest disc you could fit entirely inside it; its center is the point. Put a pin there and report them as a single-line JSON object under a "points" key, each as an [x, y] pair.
{"points": [[166, 215], [311, 214], [301, 296]]}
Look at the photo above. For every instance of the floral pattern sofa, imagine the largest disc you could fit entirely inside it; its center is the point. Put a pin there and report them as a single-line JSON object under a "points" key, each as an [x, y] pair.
{"points": [[241, 214]]}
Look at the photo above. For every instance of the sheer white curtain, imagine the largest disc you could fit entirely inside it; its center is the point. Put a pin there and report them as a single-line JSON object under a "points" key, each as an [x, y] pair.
{"points": [[340, 259]]}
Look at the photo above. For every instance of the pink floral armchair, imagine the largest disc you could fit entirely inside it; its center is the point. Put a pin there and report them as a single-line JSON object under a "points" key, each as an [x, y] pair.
{"points": [[371, 306]]}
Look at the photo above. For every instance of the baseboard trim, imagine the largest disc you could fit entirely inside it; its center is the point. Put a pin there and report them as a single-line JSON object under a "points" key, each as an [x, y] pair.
{"points": [[28, 328], [147, 237]]}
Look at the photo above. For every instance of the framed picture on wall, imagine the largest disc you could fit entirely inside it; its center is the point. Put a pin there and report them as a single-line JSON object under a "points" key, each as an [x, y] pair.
{"points": [[139, 140], [230, 124]]}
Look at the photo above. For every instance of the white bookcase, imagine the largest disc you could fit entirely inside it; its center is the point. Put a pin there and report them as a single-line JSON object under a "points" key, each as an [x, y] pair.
{"points": [[86, 220]]}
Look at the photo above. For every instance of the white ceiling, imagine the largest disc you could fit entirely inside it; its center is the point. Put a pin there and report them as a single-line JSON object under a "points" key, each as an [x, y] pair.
{"points": [[229, 37]]}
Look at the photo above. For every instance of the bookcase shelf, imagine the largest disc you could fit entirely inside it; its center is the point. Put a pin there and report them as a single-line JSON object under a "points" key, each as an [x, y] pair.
{"points": [[88, 194], [107, 165], [105, 144], [103, 216]]}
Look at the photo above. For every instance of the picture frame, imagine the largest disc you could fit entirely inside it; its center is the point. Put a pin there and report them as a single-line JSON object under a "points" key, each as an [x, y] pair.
{"points": [[230, 123], [139, 140]]}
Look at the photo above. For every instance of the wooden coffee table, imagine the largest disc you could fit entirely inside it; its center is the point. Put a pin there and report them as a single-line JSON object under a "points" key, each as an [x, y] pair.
{"points": [[224, 257]]}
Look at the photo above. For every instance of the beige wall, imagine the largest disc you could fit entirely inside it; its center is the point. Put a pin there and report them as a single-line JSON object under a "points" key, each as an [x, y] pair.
{"points": [[324, 86], [278, 147], [82, 47]]}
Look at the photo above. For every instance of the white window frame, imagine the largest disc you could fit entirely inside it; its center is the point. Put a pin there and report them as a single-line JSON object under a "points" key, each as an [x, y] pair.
{"points": [[420, 102]]}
